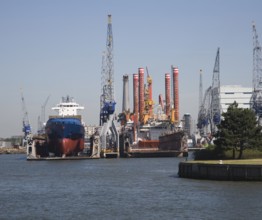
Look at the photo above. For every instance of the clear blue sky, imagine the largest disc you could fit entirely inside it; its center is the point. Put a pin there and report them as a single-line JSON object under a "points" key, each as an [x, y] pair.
{"points": [[54, 47]]}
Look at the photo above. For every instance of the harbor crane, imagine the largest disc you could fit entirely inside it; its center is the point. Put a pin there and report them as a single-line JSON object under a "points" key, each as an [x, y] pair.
{"points": [[204, 118], [109, 136], [26, 125], [209, 114], [200, 100], [215, 94], [107, 102], [41, 119], [256, 98]]}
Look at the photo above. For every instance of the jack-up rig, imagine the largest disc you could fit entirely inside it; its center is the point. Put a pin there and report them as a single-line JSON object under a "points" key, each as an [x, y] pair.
{"points": [[256, 99], [107, 143]]}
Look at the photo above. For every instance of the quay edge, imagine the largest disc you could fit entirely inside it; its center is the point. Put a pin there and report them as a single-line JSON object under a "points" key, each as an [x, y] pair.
{"points": [[226, 172], [61, 158]]}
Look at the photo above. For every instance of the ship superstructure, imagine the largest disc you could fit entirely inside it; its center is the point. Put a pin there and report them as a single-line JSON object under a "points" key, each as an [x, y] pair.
{"points": [[67, 107]]}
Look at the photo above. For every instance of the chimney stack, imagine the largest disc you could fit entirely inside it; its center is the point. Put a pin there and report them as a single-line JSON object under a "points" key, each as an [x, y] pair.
{"points": [[167, 91], [176, 93]]}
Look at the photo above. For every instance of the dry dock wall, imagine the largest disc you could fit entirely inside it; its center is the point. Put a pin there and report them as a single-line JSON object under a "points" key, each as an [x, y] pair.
{"points": [[220, 171]]}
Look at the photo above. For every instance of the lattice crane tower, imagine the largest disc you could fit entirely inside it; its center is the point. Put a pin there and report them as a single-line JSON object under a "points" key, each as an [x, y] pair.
{"points": [[256, 99], [215, 102], [107, 100], [109, 63]]}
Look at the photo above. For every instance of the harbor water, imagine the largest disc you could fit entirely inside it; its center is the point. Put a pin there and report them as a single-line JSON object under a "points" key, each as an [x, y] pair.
{"points": [[138, 188]]}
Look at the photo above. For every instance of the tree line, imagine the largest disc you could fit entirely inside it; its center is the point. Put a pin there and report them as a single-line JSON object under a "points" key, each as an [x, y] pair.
{"points": [[238, 131]]}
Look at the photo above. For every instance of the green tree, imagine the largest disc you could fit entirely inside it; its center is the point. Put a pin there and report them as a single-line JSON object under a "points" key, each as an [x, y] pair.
{"points": [[238, 131]]}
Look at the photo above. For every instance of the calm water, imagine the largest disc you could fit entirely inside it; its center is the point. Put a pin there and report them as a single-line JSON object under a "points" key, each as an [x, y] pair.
{"points": [[118, 189]]}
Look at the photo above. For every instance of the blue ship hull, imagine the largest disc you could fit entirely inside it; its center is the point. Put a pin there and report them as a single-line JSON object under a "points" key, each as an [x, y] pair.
{"points": [[65, 136]]}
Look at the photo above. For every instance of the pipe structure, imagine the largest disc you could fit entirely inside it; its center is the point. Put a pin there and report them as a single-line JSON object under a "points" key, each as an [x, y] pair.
{"points": [[167, 91], [176, 93], [135, 94], [150, 95], [141, 94], [136, 104], [160, 101], [125, 104]]}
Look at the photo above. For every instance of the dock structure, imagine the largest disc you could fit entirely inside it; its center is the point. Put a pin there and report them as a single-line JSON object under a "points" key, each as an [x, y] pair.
{"points": [[220, 171], [36, 150]]}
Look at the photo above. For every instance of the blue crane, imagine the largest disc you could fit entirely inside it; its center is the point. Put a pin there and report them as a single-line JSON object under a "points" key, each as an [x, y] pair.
{"points": [[26, 125]]}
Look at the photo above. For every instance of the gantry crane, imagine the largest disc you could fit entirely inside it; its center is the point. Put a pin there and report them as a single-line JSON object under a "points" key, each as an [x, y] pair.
{"points": [[256, 98]]}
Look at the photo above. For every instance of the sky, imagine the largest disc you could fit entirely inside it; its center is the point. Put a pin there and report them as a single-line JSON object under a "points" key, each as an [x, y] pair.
{"points": [[54, 48]]}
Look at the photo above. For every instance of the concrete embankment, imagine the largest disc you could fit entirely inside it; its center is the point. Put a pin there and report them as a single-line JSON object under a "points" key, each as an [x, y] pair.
{"points": [[244, 172]]}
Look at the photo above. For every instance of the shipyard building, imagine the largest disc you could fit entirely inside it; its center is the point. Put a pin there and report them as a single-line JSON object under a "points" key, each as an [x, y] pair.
{"points": [[231, 93]]}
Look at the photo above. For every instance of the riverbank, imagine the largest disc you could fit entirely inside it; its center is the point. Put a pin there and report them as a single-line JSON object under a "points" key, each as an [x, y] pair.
{"points": [[12, 150], [247, 170]]}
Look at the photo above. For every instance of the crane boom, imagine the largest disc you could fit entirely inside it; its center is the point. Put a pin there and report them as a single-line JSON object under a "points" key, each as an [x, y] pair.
{"points": [[41, 119], [43, 109]]}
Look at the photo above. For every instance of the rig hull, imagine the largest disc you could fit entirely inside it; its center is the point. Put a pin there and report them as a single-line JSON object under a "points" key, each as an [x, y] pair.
{"points": [[173, 141]]}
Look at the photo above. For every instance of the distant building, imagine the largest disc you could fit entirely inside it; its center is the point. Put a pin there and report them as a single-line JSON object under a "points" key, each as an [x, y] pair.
{"points": [[231, 93], [187, 124], [90, 130], [5, 144]]}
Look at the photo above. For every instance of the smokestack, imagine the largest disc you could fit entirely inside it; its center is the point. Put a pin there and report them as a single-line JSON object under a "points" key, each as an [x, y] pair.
{"points": [[167, 90], [126, 106], [135, 93], [176, 93], [141, 93]]}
